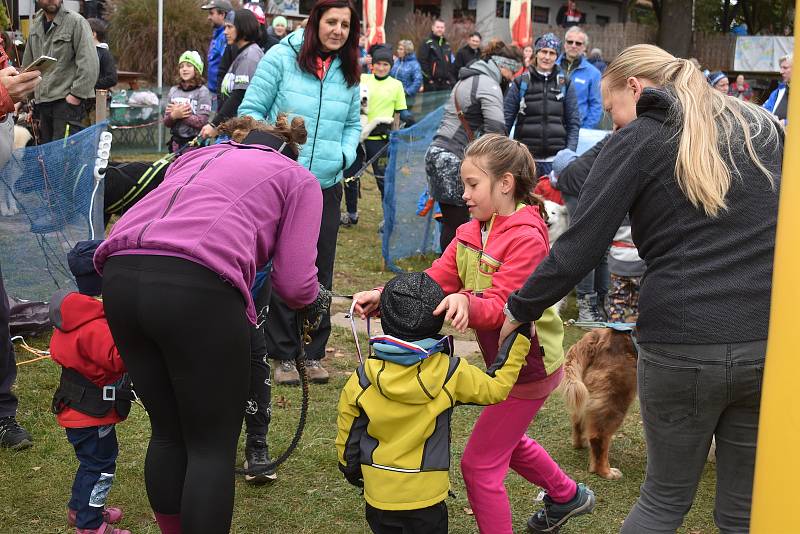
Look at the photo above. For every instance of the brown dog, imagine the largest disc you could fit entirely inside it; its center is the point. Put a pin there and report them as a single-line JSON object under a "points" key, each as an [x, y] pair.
{"points": [[599, 385]]}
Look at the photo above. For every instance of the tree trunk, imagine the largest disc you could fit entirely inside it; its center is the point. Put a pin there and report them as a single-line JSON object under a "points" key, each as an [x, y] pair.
{"points": [[675, 29]]}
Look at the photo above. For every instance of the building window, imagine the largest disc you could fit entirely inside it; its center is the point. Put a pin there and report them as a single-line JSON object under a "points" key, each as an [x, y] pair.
{"points": [[541, 15], [503, 10], [602, 20]]}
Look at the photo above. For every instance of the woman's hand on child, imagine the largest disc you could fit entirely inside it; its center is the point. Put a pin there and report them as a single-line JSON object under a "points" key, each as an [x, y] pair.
{"points": [[457, 306], [508, 328], [367, 302]]}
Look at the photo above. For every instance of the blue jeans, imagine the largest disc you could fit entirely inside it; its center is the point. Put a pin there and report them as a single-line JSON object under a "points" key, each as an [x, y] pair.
{"points": [[96, 449], [689, 393]]}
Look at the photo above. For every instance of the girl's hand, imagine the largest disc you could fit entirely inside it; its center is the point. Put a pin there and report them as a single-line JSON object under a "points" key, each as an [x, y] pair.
{"points": [[367, 302], [208, 131], [457, 306], [180, 112]]}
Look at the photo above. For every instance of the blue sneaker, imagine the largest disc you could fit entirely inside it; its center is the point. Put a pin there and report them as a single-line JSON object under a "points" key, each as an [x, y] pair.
{"points": [[553, 515]]}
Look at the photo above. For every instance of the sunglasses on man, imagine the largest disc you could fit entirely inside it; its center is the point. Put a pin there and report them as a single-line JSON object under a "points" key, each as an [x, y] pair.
{"points": [[576, 43]]}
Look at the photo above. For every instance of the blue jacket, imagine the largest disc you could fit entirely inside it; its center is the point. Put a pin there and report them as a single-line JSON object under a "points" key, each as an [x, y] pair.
{"points": [[329, 107], [769, 105], [585, 78], [408, 71], [215, 51]]}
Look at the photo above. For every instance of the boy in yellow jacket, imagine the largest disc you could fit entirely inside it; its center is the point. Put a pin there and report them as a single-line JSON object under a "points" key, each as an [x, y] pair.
{"points": [[394, 413]]}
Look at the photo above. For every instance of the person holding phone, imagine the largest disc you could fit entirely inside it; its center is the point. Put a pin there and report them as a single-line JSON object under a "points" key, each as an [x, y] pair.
{"points": [[66, 36], [14, 87]]}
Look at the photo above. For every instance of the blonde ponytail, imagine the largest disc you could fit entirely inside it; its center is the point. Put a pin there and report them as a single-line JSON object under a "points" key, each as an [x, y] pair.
{"points": [[710, 121]]}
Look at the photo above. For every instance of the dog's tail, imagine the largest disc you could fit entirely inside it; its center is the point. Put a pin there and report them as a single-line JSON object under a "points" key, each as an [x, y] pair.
{"points": [[578, 359]]}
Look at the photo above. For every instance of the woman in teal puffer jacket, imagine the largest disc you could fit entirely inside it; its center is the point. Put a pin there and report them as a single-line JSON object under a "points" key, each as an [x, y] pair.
{"points": [[313, 74]]}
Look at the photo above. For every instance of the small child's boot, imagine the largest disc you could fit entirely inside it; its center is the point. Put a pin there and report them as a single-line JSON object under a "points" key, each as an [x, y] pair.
{"points": [[111, 515], [104, 528]]}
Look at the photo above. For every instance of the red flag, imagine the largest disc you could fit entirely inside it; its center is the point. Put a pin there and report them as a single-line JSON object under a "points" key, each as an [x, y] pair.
{"points": [[374, 18], [520, 21]]}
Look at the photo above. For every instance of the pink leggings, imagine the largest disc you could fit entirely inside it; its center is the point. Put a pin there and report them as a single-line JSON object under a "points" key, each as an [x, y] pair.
{"points": [[497, 442]]}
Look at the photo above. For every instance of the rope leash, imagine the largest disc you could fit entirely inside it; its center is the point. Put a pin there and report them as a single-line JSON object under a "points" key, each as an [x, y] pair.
{"points": [[304, 330], [40, 354]]}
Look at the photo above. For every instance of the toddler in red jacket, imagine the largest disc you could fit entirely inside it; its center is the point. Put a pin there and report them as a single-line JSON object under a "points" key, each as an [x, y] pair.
{"points": [[93, 395]]}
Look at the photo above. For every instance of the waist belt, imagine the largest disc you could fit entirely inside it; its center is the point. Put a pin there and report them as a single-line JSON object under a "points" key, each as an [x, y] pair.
{"points": [[81, 394]]}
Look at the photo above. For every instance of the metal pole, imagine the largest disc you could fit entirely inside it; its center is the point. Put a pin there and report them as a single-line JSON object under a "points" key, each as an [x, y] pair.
{"points": [[100, 110], [160, 68]]}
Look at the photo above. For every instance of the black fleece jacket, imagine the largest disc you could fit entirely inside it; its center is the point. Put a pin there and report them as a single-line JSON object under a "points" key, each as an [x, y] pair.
{"points": [[572, 178], [708, 280]]}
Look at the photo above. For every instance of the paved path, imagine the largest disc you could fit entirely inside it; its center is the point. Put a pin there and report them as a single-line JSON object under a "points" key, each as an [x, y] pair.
{"points": [[463, 347]]}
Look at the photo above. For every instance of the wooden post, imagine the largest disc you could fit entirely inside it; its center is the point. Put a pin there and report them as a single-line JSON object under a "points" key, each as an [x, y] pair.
{"points": [[101, 105]]}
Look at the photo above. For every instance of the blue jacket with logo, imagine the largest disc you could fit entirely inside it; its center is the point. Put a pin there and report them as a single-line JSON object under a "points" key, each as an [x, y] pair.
{"points": [[215, 51], [585, 78], [329, 107]]}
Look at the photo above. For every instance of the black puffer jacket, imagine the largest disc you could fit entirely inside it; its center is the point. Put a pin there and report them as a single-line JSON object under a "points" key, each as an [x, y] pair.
{"points": [[550, 120]]}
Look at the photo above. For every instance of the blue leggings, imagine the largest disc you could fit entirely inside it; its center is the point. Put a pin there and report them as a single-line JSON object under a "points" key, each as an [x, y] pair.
{"points": [[96, 449]]}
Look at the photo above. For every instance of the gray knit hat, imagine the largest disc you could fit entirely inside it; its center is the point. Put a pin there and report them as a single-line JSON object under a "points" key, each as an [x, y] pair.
{"points": [[407, 305]]}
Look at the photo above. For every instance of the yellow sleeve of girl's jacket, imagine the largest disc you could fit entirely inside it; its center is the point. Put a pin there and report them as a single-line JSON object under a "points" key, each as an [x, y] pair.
{"points": [[473, 385]]}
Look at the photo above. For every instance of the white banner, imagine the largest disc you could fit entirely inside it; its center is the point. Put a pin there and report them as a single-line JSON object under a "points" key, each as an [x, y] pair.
{"points": [[761, 54]]}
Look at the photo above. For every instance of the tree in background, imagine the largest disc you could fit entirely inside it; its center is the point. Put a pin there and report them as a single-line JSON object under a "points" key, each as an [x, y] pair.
{"points": [[133, 33]]}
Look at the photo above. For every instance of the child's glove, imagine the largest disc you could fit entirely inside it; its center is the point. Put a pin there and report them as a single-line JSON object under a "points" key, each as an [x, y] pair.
{"points": [[353, 475]]}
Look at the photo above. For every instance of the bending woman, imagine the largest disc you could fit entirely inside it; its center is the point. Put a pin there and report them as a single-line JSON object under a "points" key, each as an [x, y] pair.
{"points": [[177, 270], [699, 173], [314, 73]]}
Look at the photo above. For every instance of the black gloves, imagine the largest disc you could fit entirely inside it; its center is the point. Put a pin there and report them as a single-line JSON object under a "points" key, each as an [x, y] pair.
{"points": [[313, 312], [353, 475]]}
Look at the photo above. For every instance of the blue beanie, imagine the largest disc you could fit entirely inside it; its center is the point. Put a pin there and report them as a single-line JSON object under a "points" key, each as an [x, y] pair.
{"points": [[548, 40], [715, 77], [81, 264]]}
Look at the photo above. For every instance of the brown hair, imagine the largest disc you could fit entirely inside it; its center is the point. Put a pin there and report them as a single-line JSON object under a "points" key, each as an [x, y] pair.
{"points": [[195, 81], [496, 47], [500, 155], [293, 133]]}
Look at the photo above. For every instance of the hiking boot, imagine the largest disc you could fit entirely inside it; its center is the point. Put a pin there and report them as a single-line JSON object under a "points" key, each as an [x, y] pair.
{"points": [[348, 219], [587, 309], [553, 515], [316, 373], [104, 528], [13, 436], [256, 462], [111, 515], [286, 374]]}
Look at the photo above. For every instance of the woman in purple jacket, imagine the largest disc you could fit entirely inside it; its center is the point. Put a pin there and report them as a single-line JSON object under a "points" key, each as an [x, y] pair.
{"points": [[177, 269]]}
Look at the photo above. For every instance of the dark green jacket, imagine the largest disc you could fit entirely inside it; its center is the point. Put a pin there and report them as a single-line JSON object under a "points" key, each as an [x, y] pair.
{"points": [[69, 40]]}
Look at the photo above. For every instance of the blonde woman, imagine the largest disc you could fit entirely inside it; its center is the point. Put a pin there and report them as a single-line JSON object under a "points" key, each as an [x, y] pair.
{"points": [[699, 173]]}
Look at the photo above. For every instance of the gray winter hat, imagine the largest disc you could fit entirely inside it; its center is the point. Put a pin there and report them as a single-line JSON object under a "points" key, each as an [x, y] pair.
{"points": [[407, 305]]}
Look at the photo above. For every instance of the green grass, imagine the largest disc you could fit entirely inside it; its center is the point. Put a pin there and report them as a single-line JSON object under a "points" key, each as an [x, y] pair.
{"points": [[310, 495]]}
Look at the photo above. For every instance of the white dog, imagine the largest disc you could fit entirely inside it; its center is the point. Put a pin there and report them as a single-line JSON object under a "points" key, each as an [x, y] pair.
{"points": [[366, 125], [557, 220], [8, 206], [557, 224]]}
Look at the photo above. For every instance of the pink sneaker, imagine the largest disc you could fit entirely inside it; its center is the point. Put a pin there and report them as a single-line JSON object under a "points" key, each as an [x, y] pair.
{"points": [[111, 515], [105, 528]]}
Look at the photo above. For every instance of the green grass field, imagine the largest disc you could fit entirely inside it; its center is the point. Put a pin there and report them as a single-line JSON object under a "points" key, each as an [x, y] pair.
{"points": [[310, 495]]}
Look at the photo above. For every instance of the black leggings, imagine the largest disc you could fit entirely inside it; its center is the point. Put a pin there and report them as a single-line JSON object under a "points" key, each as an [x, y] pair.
{"points": [[184, 337]]}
